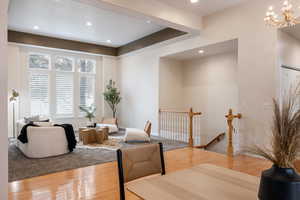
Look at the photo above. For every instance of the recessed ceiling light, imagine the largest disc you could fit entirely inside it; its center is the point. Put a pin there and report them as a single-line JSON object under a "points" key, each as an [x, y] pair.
{"points": [[148, 21], [201, 51], [194, 1], [89, 23], [36, 27], [108, 41]]}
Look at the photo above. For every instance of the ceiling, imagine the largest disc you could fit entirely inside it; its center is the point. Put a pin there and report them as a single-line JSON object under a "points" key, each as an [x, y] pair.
{"points": [[210, 50], [67, 19], [203, 7]]}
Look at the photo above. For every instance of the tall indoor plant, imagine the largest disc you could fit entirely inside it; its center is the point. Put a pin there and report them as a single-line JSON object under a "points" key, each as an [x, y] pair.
{"points": [[112, 96], [282, 181]]}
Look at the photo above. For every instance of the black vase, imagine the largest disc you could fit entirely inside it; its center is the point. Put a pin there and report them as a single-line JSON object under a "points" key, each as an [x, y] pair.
{"points": [[279, 184]]}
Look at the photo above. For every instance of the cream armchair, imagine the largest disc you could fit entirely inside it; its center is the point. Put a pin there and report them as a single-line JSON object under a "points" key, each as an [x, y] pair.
{"points": [[44, 142]]}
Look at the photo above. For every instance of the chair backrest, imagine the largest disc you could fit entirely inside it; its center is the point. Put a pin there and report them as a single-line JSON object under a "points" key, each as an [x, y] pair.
{"points": [[139, 162], [148, 128], [113, 121]]}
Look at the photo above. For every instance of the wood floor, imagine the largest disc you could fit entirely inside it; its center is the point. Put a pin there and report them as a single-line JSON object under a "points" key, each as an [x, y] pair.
{"points": [[101, 181]]}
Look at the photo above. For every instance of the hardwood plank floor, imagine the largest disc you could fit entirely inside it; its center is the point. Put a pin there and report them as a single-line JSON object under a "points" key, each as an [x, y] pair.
{"points": [[101, 181]]}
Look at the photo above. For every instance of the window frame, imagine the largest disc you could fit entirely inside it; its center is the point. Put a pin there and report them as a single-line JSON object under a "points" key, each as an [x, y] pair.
{"points": [[94, 62], [55, 72], [39, 71], [52, 72], [69, 57], [41, 54], [86, 74]]}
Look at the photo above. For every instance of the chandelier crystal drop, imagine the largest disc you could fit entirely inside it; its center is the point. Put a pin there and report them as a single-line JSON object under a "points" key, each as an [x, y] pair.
{"points": [[287, 19]]}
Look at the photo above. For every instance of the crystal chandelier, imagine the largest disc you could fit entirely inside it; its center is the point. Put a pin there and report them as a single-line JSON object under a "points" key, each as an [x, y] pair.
{"points": [[288, 17]]}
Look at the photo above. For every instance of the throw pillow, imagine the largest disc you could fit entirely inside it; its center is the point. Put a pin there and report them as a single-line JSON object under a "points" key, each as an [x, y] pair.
{"points": [[136, 135], [35, 118]]}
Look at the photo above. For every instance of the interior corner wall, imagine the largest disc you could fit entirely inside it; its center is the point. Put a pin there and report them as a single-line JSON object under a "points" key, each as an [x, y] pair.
{"points": [[138, 78], [3, 100], [257, 74], [109, 73], [170, 84], [210, 86]]}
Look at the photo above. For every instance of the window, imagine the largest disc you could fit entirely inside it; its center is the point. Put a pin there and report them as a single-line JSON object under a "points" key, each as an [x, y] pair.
{"points": [[70, 80], [39, 61], [87, 69], [64, 85], [63, 64], [39, 83], [88, 66]]}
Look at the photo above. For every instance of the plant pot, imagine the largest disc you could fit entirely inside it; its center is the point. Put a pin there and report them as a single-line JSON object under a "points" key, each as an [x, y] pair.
{"points": [[279, 184]]}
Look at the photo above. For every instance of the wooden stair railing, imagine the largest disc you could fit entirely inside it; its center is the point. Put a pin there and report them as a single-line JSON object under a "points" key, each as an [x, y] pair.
{"points": [[180, 125], [213, 141]]}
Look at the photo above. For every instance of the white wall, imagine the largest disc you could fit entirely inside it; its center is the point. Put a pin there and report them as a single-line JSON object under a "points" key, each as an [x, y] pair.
{"points": [[170, 84], [210, 86], [3, 100], [289, 49], [138, 78], [14, 82], [17, 59], [258, 71], [207, 84]]}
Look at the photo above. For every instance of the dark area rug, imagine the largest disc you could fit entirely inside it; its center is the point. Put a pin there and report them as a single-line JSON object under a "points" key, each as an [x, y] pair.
{"points": [[21, 167]]}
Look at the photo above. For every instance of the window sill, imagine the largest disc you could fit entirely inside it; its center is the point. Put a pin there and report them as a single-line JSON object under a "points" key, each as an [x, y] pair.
{"points": [[64, 117]]}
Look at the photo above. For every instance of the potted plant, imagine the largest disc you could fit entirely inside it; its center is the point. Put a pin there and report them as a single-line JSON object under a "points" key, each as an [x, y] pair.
{"points": [[90, 112], [112, 97], [281, 182]]}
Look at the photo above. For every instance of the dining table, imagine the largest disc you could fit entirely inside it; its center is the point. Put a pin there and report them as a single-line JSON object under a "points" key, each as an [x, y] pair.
{"points": [[201, 182]]}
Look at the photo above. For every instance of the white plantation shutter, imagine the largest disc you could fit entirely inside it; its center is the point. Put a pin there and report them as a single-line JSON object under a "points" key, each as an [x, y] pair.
{"points": [[87, 69], [64, 85], [39, 93], [56, 88], [64, 93], [87, 90]]}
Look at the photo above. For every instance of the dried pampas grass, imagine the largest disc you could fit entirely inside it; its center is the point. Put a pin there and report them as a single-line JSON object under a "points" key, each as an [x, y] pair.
{"points": [[285, 143]]}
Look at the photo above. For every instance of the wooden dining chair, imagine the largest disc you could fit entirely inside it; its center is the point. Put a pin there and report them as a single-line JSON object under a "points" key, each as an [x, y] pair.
{"points": [[139, 162]]}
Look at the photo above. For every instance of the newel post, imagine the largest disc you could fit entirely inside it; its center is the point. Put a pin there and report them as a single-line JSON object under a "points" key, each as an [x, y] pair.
{"points": [[191, 115], [230, 117]]}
